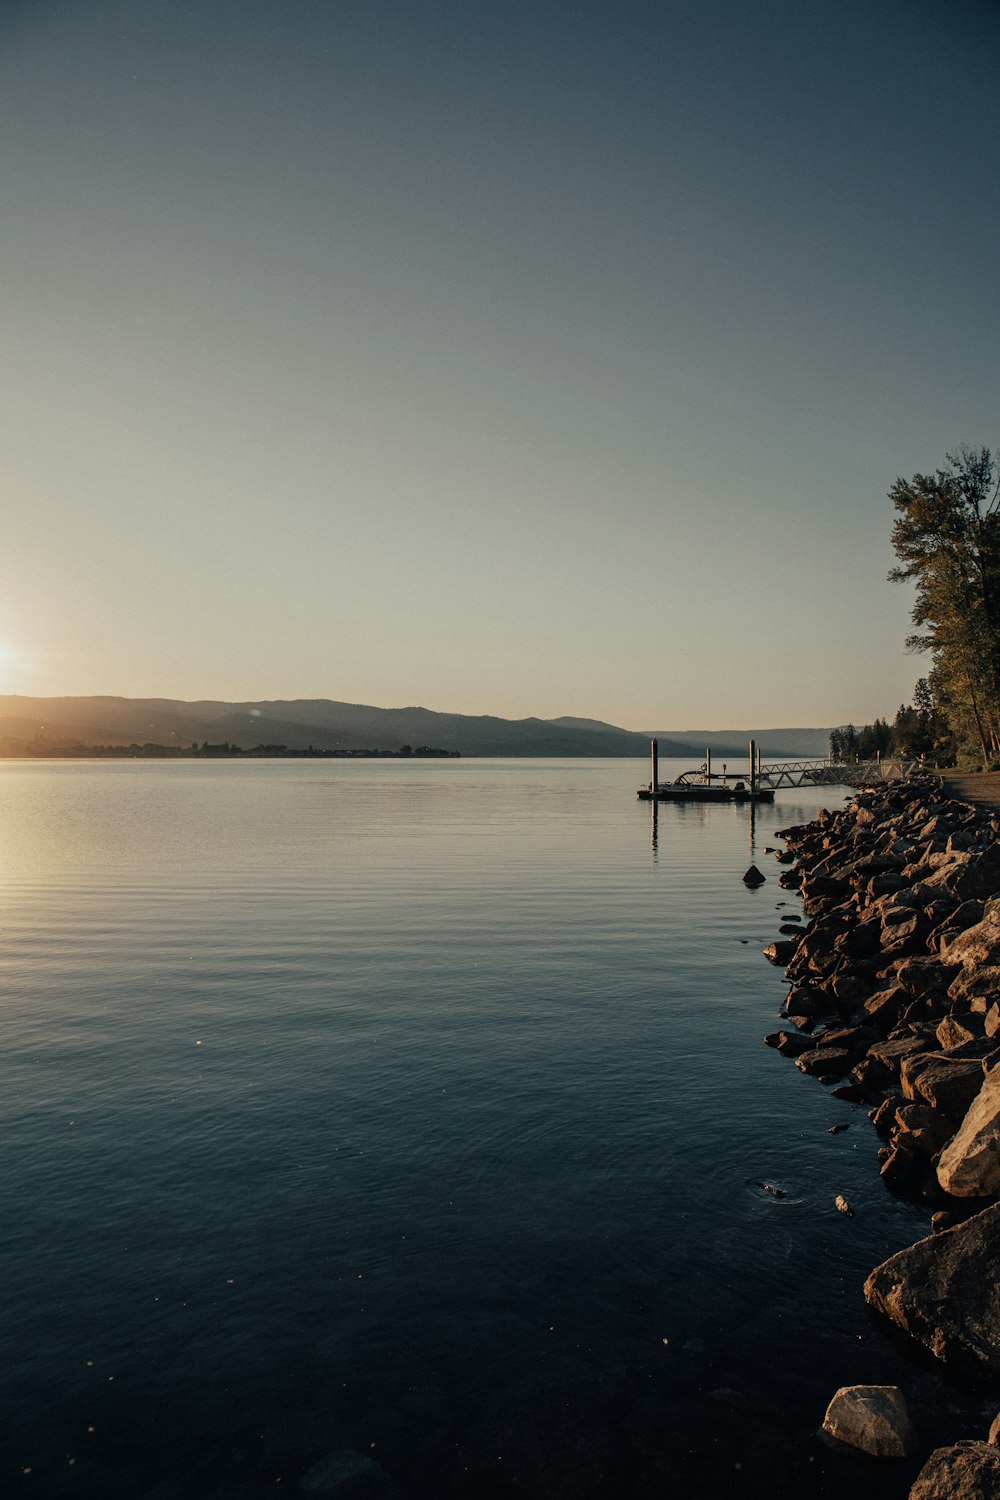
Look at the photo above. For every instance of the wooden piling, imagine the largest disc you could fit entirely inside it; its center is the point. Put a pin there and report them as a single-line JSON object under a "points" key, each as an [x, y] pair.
{"points": [[654, 748]]}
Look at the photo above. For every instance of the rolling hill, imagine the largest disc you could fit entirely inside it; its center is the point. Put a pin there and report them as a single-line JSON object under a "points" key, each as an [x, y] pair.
{"points": [[37, 725]]}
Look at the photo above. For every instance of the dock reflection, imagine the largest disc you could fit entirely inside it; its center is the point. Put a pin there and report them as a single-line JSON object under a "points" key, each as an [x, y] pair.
{"points": [[702, 813]]}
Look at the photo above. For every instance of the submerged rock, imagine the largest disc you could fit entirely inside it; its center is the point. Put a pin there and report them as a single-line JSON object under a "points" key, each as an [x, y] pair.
{"points": [[872, 1418], [348, 1475], [790, 1043], [753, 876]]}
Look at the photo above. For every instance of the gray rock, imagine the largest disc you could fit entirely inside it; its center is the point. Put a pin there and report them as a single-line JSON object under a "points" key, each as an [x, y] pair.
{"points": [[892, 1054], [977, 988], [924, 976], [790, 1043], [978, 945], [825, 1062], [974, 876], [924, 1123], [346, 1474], [970, 1163], [904, 1168], [966, 1471], [803, 1000], [944, 1292], [886, 1006], [885, 885], [942, 1080], [905, 937], [956, 923], [852, 1093], [872, 1418], [858, 941], [855, 1038], [883, 1116], [956, 1029]]}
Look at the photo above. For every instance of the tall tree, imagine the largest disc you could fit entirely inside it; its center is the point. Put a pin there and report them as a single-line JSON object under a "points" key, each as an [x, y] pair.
{"points": [[947, 538]]}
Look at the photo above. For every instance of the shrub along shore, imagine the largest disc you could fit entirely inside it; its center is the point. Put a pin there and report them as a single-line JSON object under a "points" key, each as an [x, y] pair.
{"points": [[895, 1004]]}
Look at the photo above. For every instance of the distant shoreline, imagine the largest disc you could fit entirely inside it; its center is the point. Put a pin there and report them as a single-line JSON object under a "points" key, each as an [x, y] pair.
{"points": [[220, 752]]}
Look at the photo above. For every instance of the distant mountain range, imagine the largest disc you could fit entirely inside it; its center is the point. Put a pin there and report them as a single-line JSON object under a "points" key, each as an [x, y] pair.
{"points": [[34, 726]]}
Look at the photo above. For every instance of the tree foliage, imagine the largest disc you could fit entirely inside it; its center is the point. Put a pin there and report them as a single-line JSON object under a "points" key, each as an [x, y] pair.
{"points": [[918, 731], [947, 538], [849, 744]]}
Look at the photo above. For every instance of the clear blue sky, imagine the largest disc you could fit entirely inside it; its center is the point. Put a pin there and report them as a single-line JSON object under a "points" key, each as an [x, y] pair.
{"points": [[499, 357]]}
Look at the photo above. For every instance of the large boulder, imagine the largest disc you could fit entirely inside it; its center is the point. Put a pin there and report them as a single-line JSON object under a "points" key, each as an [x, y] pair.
{"points": [[825, 1062], [979, 944], [886, 1006], [960, 1027], [970, 1163], [944, 1292], [906, 935], [926, 1128], [976, 988], [943, 1080], [921, 977], [782, 951], [892, 1053], [966, 1471], [969, 877], [872, 1418], [804, 1000], [904, 1170], [790, 1043], [957, 922]]}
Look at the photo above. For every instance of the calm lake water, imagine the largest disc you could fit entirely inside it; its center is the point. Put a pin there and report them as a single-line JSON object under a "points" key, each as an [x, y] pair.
{"points": [[419, 1109]]}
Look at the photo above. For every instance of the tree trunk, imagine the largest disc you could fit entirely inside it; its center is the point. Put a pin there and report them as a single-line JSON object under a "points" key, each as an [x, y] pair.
{"points": [[979, 726]]}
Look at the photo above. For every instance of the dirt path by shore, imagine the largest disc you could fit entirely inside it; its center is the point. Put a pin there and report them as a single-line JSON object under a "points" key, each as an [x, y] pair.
{"points": [[983, 788]]}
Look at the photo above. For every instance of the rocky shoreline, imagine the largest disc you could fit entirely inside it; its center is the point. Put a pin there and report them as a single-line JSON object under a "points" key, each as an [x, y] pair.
{"points": [[895, 1005]]}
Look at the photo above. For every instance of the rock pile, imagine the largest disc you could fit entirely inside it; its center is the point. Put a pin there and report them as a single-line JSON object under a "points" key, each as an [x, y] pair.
{"points": [[895, 1003], [895, 982]]}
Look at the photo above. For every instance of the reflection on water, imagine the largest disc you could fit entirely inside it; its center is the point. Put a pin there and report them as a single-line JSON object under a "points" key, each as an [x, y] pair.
{"points": [[415, 1109]]}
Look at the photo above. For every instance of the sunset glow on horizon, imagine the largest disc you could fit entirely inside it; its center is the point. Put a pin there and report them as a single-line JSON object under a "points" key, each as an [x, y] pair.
{"points": [[502, 360]]}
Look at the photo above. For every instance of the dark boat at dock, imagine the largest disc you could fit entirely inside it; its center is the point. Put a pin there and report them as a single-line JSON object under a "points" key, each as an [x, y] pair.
{"points": [[703, 786]]}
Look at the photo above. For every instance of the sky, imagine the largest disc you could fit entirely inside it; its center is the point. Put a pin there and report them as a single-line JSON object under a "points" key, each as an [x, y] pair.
{"points": [[522, 357]]}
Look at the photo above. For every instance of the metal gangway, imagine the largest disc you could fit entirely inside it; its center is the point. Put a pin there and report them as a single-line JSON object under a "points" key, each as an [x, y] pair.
{"points": [[834, 773], [762, 780]]}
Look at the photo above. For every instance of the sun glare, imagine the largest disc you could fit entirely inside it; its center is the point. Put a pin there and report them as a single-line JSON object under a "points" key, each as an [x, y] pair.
{"points": [[11, 667]]}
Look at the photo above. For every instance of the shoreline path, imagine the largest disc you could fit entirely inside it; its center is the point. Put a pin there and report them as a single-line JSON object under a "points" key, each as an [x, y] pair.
{"points": [[982, 788]]}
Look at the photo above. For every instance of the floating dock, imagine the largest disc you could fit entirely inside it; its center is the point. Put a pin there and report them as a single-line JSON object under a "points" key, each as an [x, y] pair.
{"points": [[705, 786]]}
